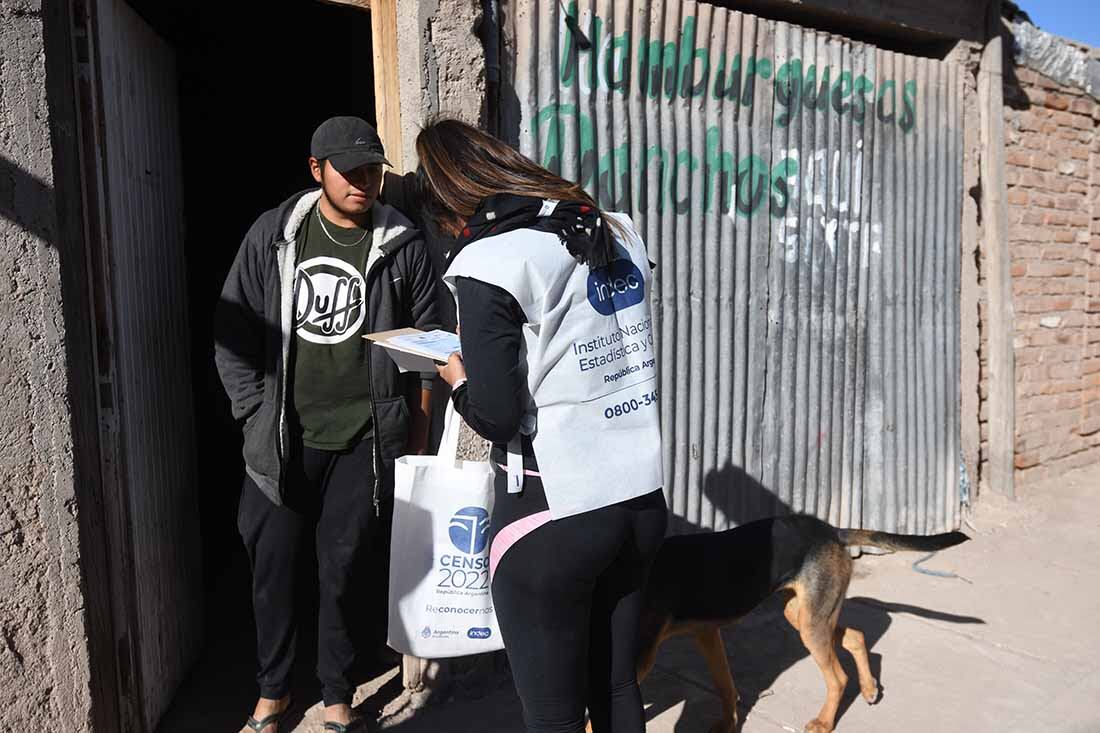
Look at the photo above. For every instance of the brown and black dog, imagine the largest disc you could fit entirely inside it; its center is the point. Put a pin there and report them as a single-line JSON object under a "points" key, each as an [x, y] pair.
{"points": [[702, 582]]}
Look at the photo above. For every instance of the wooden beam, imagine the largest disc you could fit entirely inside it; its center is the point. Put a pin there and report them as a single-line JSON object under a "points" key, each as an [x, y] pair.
{"points": [[387, 90], [387, 110], [998, 259], [361, 4]]}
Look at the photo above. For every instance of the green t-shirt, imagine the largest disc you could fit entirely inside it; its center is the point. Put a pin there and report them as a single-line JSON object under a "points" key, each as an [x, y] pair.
{"points": [[331, 393]]}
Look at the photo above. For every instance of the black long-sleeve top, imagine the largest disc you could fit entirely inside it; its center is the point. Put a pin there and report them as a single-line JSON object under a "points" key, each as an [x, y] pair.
{"points": [[492, 399]]}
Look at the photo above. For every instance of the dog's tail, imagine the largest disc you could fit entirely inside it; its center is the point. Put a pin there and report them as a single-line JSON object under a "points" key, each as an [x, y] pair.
{"points": [[912, 542]]}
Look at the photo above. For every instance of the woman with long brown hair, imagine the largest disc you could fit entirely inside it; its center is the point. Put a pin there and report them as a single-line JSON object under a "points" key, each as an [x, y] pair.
{"points": [[558, 371]]}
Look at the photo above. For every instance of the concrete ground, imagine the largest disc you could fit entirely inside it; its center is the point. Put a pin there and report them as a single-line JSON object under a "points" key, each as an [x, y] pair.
{"points": [[1009, 645]]}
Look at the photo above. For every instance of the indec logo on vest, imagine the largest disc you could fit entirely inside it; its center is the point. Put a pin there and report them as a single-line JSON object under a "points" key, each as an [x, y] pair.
{"points": [[615, 287]]}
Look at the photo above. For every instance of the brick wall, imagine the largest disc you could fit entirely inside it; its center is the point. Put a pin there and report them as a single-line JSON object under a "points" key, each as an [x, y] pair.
{"points": [[1052, 169]]}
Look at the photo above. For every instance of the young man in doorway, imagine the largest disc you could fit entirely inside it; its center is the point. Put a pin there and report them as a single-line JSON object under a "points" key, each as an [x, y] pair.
{"points": [[322, 411]]}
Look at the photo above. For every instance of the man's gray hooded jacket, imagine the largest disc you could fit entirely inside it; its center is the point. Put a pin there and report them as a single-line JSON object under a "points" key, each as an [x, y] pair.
{"points": [[254, 330]]}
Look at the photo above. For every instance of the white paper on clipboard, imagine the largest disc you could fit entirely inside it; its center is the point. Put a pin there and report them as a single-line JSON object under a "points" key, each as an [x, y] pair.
{"points": [[414, 350]]}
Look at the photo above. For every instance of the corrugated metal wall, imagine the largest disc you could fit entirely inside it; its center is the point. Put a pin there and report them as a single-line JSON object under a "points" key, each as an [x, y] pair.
{"points": [[151, 349], [802, 195]]}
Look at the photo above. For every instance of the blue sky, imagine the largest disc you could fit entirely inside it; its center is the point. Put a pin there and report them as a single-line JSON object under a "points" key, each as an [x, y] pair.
{"points": [[1076, 19]]}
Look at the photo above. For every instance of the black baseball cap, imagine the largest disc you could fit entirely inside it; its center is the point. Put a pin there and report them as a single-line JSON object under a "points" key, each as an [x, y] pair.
{"points": [[347, 143]]}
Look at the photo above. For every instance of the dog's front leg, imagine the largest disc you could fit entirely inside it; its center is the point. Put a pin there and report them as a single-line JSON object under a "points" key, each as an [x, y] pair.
{"points": [[709, 639]]}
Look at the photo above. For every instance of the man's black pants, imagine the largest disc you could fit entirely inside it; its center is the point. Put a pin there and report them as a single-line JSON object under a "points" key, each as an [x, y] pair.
{"points": [[329, 502]]}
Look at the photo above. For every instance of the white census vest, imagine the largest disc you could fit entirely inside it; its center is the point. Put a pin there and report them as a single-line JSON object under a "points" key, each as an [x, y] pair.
{"points": [[590, 362]]}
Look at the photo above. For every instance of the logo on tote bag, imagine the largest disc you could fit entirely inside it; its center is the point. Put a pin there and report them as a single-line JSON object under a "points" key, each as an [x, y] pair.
{"points": [[469, 530], [615, 287]]}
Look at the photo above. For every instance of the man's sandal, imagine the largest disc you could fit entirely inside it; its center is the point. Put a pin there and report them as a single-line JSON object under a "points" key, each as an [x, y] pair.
{"points": [[273, 719], [358, 724], [259, 725]]}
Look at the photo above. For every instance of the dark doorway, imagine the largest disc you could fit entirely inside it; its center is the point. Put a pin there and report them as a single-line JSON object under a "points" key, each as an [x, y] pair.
{"points": [[251, 93], [255, 79]]}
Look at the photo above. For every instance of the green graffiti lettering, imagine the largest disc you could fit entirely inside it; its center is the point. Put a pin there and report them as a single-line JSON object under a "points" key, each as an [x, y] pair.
{"points": [[555, 117], [741, 88], [656, 61], [788, 91], [909, 106], [710, 159], [684, 159], [752, 184], [594, 33], [717, 162], [823, 90], [809, 88], [813, 97], [552, 147], [888, 86], [589, 165], [752, 180], [615, 185], [689, 55], [654, 151], [728, 185], [841, 90], [750, 83], [862, 87], [618, 79], [733, 91], [781, 195], [681, 68], [727, 179]]}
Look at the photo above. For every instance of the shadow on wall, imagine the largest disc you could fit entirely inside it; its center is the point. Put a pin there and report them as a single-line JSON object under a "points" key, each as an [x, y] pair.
{"points": [[736, 495], [26, 201]]}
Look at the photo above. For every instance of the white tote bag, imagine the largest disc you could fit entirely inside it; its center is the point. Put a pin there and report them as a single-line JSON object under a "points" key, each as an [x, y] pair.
{"points": [[440, 605]]}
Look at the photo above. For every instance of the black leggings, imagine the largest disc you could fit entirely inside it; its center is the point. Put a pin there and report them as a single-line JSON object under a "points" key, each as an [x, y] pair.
{"points": [[568, 598]]}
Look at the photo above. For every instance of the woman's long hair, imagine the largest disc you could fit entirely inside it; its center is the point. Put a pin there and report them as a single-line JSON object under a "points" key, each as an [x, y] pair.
{"points": [[460, 166]]}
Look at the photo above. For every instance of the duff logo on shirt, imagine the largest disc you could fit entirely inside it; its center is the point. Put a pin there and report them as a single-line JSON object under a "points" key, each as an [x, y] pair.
{"points": [[329, 302]]}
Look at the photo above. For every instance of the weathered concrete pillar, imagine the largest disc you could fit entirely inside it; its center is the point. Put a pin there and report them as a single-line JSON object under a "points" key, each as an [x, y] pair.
{"points": [[440, 70], [999, 296], [967, 55], [441, 65], [44, 659]]}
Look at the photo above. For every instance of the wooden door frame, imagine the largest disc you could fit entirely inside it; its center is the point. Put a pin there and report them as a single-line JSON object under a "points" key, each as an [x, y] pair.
{"points": [[387, 85]]}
